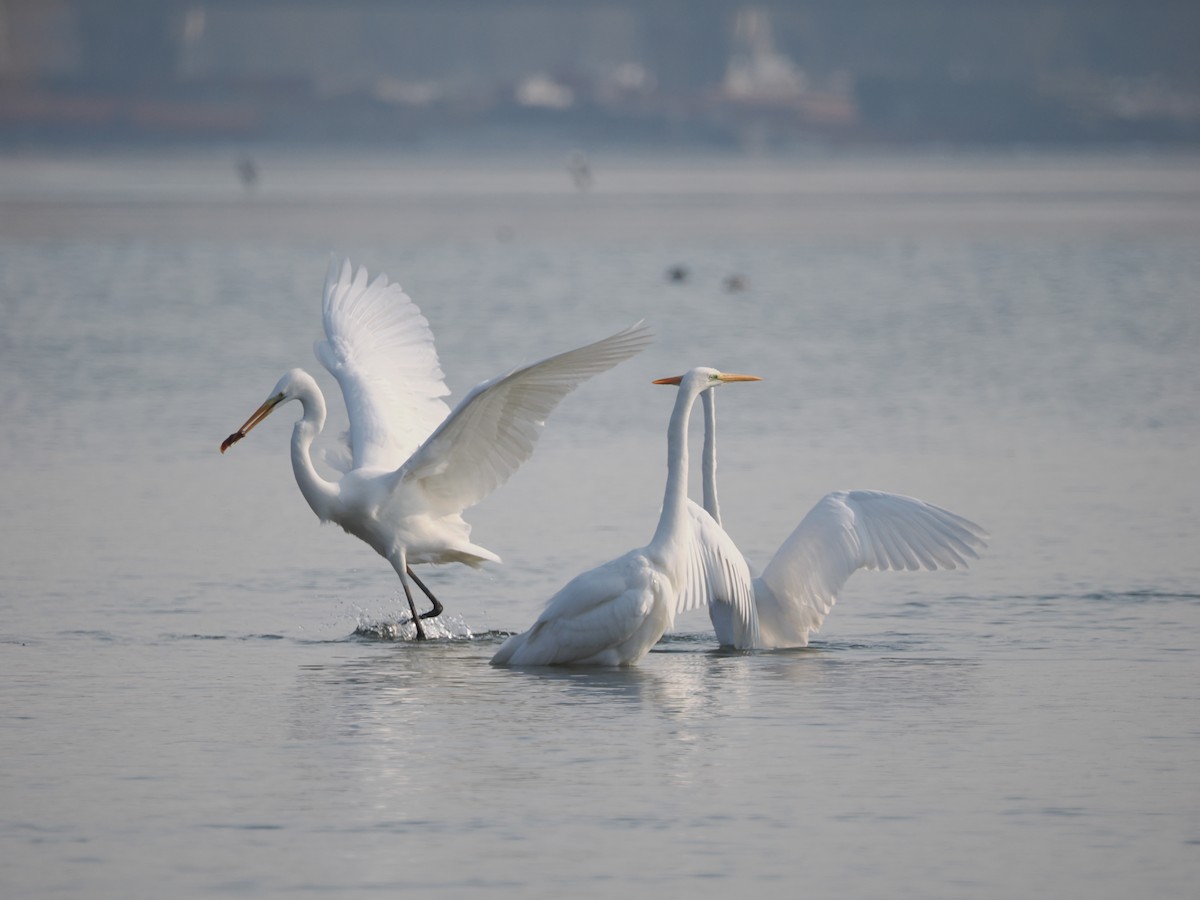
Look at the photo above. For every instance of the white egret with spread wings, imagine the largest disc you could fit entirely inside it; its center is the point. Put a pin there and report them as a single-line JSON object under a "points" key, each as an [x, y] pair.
{"points": [[414, 465], [844, 532]]}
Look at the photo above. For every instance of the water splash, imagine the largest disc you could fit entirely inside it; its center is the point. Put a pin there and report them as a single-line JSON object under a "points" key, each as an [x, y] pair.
{"points": [[443, 628]]}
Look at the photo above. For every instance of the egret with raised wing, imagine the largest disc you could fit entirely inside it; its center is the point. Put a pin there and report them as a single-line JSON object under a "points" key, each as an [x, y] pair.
{"points": [[844, 532], [613, 614], [414, 465]]}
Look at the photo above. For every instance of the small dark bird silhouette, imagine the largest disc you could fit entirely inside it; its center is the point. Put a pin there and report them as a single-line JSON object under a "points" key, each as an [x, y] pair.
{"points": [[248, 172], [581, 170]]}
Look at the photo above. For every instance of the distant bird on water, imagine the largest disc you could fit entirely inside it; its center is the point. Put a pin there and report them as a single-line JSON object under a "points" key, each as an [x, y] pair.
{"points": [[581, 170], [415, 465], [247, 171]]}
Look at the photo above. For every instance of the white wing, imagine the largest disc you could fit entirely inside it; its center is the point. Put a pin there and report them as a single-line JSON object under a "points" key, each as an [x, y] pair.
{"points": [[336, 454], [594, 613], [380, 349], [847, 531], [717, 576], [493, 430]]}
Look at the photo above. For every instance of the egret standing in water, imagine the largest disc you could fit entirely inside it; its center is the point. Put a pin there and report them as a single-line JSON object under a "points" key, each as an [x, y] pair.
{"points": [[414, 465], [844, 532], [613, 614]]}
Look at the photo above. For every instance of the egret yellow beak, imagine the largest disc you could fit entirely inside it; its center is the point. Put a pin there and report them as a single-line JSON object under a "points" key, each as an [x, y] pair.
{"points": [[259, 414], [724, 376]]}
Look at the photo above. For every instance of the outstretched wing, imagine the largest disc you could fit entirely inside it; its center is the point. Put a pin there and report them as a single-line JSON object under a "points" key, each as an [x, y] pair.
{"points": [[717, 576], [493, 430], [847, 531], [380, 349]]}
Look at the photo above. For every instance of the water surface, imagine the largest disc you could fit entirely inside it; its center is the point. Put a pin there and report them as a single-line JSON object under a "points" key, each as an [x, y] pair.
{"points": [[199, 686]]}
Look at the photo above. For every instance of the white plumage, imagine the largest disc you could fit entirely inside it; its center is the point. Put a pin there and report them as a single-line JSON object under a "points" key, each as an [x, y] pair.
{"points": [[613, 614], [380, 349], [844, 532], [414, 465]]}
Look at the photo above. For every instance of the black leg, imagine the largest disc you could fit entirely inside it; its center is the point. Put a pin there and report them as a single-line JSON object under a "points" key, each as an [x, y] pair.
{"points": [[437, 606], [413, 607]]}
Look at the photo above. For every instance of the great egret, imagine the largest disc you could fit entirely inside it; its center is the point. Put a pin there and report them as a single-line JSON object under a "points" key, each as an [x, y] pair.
{"points": [[844, 532], [409, 478], [613, 614]]}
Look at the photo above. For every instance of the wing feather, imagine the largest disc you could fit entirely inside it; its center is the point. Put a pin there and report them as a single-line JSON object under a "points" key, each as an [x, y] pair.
{"points": [[718, 576], [595, 611], [850, 530], [380, 349], [494, 429]]}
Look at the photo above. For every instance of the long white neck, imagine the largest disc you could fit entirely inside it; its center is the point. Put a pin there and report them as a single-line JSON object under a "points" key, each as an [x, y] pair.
{"points": [[673, 520], [710, 456], [320, 494]]}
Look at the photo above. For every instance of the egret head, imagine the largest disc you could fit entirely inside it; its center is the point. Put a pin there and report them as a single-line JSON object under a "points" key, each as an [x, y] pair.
{"points": [[703, 377], [288, 388]]}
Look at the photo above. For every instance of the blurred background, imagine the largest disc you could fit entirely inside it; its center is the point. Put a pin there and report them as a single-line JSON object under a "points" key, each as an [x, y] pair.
{"points": [[728, 74]]}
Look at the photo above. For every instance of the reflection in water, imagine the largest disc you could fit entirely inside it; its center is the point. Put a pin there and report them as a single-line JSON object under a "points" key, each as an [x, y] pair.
{"points": [[417, 719]]}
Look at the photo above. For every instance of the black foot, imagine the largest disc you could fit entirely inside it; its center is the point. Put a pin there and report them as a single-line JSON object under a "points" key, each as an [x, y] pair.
{"points": [[437, 605]]}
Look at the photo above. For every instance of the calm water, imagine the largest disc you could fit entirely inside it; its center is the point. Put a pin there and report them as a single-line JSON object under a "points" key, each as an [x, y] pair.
{"points": [[199, 691]]}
